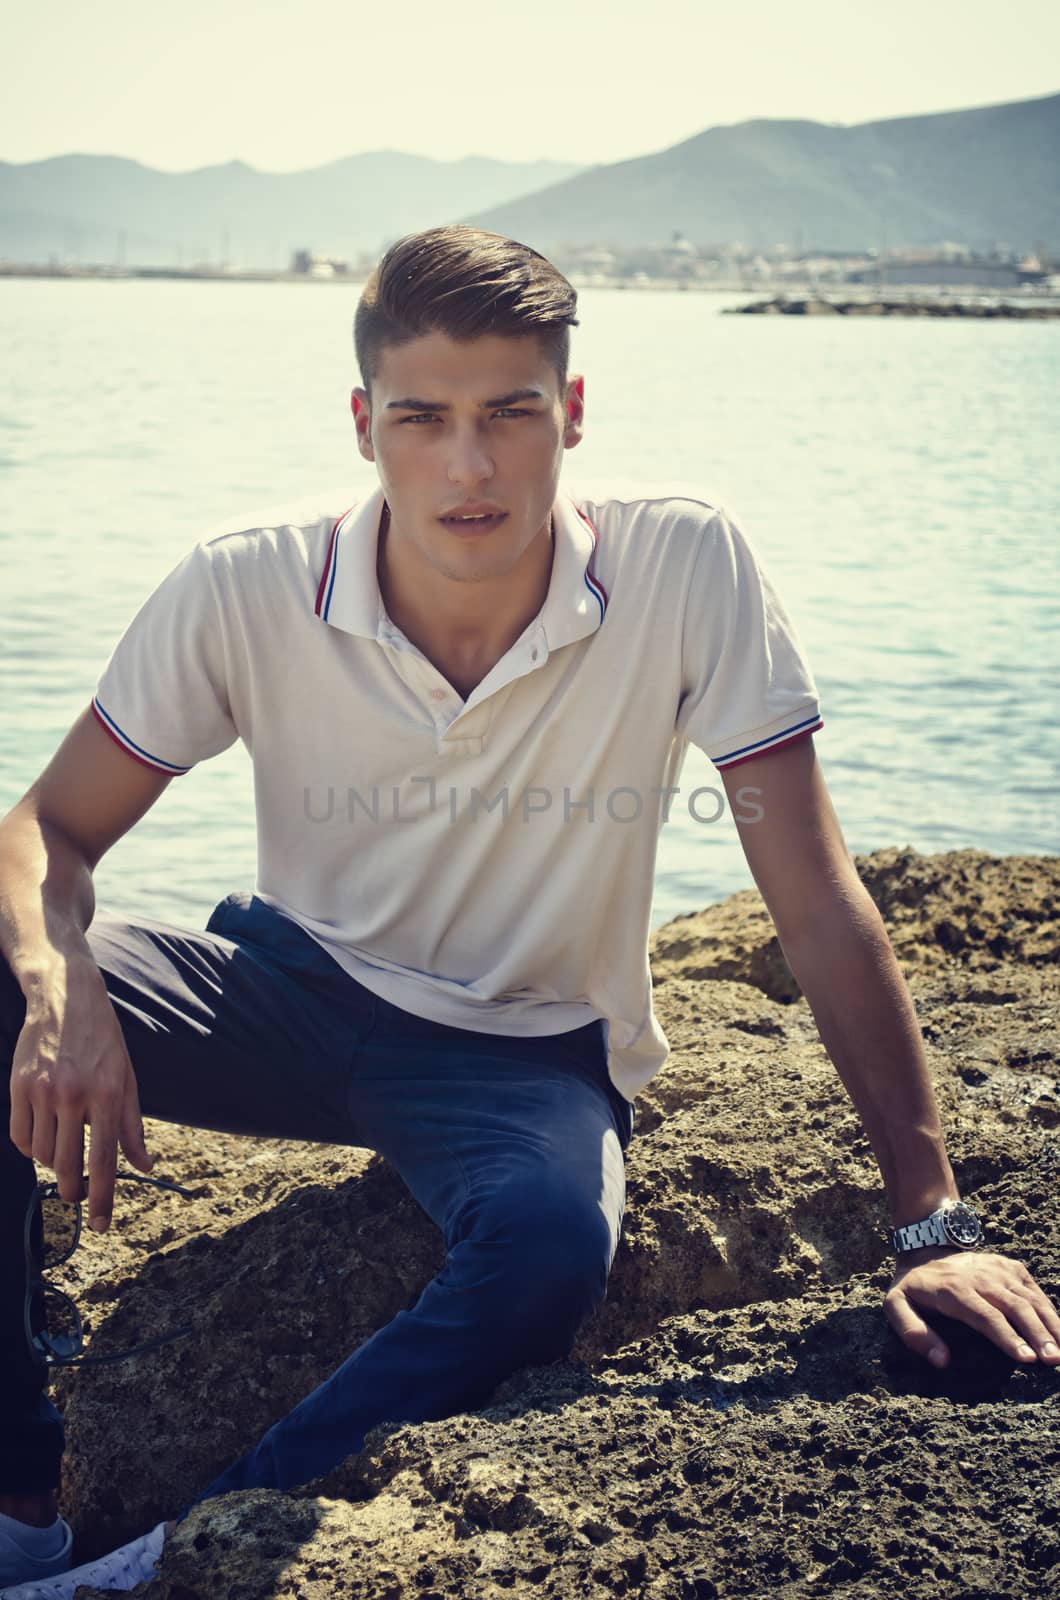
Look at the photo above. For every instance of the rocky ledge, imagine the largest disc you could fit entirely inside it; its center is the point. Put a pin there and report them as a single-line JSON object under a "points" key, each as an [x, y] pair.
{"points": [[736, 1420], [814, 307]]}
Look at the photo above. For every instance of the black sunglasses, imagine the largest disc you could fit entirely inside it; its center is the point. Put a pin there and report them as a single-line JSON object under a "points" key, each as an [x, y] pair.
{"points": [[50, 1237]]}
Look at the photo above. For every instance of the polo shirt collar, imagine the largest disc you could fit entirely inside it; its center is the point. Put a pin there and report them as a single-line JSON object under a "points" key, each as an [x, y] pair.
{"points": [[348, 595]]}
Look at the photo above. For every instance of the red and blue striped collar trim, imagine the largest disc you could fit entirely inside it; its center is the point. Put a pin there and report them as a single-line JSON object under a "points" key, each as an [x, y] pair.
{"points": [[326, 586], [348, 597], [592, 583]]}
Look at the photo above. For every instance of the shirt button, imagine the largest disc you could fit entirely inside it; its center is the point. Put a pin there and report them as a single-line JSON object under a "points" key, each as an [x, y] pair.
{"points": [[437, 694], [533, 655]]}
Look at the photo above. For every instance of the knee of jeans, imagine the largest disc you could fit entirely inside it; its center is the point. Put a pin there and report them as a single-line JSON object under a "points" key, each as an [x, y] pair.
{"points": [[556, 1258]]}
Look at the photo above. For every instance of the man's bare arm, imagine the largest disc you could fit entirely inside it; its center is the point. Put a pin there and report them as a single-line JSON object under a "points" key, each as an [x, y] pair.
{"points": [[836, 944], [70, 1065]]}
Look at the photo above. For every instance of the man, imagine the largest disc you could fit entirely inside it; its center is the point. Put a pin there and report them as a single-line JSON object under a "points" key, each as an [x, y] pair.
{"points": [[467, 698]]}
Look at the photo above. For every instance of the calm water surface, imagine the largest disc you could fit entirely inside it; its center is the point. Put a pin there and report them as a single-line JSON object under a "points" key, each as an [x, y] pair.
{"points": [[899, 479]]}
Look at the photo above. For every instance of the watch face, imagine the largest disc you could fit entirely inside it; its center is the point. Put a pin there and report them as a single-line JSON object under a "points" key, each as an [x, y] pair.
{"points": [[961, 1225]]}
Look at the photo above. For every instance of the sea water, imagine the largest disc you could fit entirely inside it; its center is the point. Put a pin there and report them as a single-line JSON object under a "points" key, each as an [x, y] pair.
{"points": [[899, 478]]}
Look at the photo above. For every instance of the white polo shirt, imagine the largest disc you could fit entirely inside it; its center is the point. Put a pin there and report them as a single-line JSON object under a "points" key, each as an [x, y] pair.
{"points": [[486, 863]]}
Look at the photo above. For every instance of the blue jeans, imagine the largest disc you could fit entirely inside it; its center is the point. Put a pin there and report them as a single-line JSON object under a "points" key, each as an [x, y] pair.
{"points": [[514, 1147]]}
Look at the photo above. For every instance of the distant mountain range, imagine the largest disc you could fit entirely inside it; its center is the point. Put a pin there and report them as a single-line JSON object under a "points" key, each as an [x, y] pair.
{"points": [[980, 177], [102, 209], [976, 177]]}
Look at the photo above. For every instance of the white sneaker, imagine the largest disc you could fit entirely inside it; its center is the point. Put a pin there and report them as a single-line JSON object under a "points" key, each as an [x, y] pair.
{"points": [[16, 1566], [123, 1569]]}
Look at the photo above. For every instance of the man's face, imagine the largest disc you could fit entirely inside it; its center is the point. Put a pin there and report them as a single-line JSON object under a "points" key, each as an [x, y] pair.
{"points": [[468, 441]]}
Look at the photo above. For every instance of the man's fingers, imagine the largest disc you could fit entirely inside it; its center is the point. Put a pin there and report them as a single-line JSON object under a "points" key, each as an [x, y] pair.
{"points": [[70, 1155], [1038, 1298], [977, 1312], [131, 1131], [44, 1130], [102, 1165], [988, 1320], [913, 1330], [1029, 1314]]}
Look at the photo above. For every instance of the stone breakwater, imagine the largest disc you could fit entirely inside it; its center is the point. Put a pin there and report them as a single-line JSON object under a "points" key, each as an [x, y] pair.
{"points": [[737, 1419], [890, 308]]}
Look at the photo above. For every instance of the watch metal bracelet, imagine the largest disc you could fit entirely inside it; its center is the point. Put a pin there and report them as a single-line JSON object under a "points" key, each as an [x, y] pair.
{"points": [[915, 1235], [953, 1223]]}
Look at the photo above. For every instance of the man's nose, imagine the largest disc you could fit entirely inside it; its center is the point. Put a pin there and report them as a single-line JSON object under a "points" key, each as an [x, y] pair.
{"points": [[469, 460]]}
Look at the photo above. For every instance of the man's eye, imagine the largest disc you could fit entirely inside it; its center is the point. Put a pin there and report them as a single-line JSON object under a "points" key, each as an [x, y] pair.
{"points": [[419, 416], [512, 411]]}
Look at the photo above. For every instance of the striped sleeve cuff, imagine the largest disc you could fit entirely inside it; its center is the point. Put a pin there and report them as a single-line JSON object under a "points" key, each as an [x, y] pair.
{"points": [[131, 748], [746, 752]]}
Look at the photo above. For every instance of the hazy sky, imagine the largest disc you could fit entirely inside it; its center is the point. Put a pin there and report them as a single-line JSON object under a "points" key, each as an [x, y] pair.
{"points": [[289, 84]]}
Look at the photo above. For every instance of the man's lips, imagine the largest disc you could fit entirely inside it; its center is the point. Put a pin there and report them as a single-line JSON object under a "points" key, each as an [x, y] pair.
{"points": [[474, 518]]}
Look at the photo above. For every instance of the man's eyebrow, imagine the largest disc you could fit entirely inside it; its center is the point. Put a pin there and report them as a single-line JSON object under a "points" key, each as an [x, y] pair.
{"points": [[516, 394], [410, 403]]}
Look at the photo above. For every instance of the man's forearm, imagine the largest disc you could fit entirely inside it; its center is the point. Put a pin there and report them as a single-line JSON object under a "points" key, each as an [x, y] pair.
{"points": [[847, 970], [47, 898]]}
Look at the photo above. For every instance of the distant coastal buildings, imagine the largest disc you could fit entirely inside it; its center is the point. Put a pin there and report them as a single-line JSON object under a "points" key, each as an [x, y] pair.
{"points": [[736, 265], [307, 264], [676, 264], [680, 264]]}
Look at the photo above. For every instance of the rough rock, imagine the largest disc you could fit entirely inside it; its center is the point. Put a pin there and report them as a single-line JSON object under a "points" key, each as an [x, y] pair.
{"points": [[737, 1419]]}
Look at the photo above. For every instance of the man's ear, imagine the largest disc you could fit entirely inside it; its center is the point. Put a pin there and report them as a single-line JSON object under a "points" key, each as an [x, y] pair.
{"points": [[362, 421], [574, 412]]}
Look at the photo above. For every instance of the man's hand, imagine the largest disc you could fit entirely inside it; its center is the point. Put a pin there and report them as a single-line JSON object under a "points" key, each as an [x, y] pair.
{"points": [[992, 1294], [71, 1069]]}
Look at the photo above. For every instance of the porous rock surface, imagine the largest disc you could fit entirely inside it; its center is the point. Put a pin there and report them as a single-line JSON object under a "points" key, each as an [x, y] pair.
{"points": [[737, 1419]]}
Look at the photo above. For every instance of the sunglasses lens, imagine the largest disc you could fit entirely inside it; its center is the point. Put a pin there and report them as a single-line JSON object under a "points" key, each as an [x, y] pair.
{"points": [[63, 1336], [59, 1218]]}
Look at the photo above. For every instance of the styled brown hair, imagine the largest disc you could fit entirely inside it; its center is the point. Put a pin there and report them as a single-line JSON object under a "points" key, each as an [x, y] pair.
{"points": [[463, 282]]}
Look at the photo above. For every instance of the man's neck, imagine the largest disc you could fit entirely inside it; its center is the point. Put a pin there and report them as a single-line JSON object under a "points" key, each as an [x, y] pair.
{"points": [[463, 628]]}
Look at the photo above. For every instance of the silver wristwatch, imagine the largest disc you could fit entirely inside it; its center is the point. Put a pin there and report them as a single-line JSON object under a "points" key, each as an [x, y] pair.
{"points": [[953, 1224]]}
